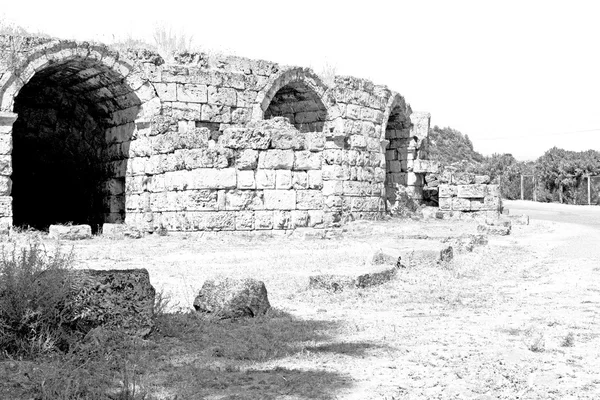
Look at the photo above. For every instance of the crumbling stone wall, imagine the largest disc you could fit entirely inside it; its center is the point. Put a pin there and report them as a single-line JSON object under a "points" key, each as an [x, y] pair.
{"points": [[205, 143], [465, 195]]}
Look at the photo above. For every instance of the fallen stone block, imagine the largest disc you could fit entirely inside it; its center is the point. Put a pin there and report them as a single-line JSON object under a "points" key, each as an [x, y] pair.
{"points": [[466, 242], [371, 276], [494, 230], [519, 219], [120, 231], [70, 232], [121, 299], [233, 298]]}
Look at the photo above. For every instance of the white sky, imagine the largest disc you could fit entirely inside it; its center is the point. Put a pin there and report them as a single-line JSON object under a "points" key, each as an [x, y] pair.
{"points": [[516, 76]]}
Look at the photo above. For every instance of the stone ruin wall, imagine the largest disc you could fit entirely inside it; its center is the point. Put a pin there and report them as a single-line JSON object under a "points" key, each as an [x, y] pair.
{"points": [[463, 195], [204, 143]]}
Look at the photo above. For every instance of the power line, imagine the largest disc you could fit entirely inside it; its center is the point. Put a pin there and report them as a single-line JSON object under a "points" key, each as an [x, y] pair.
{"points": [[541, 134]]}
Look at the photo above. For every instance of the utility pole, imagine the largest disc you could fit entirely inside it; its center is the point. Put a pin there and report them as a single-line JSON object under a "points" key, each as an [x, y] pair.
{"points": [[522, 195], [589, 191]]}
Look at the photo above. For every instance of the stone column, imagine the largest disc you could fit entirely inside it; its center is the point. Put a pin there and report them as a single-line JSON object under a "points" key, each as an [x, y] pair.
{"points": [[6, 123]]}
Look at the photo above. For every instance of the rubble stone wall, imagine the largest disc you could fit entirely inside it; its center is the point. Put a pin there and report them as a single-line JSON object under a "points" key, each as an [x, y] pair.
{"points": [[466, 195], [211, 142]]}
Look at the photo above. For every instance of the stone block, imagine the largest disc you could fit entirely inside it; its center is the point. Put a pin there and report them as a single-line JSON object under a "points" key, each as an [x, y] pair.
{"points": [[447, 190], [425, 166], [336, 172], [482, 179], [463, 178], [357, 142], [247, 159], [333, 156], [70, 232], [232, 298], [166, 91], [265, 179], [287, 139], [333, 203], [333, 188], [244, 221], [315, 180], [276, 159], [494, 230], [309, 200], [314, 141], [282, 220], [120, 231], [363, 277], [461, 204], [241, 200], [283, 179], [192, 93], [246, 180], [201, 178], [246, 138], [5, 186], [307, 160], [5, 207], [492, 203], [222, 96], [299, 179], [316, 218], [472, 191], [299, 218], [122, 299], [477, 204], [395, 166], [280, 199], [263, 220]]}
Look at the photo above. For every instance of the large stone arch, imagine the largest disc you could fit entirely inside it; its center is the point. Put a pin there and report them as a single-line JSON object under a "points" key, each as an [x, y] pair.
{"points": [[297, 86], [75, 109]]}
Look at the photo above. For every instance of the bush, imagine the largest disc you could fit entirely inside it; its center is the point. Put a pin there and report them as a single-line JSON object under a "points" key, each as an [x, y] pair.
{"points": [[32, 310]]}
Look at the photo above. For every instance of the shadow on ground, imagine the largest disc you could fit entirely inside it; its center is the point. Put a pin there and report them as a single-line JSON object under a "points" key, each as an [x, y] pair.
{"points": [[196, 357]]}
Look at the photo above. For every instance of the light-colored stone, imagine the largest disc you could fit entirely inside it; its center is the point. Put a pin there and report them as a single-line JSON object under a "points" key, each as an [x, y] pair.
{"points": [[280, 199], [70, 232], [276, 159], [232, 298]]}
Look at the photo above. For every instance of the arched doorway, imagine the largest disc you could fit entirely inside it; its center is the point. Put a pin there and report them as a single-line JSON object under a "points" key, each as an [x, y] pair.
{"points": [[70, 144], [397, 154]]}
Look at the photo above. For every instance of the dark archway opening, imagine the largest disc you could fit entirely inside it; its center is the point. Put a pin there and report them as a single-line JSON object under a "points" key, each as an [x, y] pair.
{"points": [[70, 145], [397, 133], [300, 105]]}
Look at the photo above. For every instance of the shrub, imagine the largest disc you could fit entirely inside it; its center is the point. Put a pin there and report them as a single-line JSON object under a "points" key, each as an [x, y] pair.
{"points": [[32, 310]]}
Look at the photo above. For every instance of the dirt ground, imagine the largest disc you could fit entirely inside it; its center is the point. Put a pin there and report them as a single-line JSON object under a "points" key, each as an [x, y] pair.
{"points": [[516, 319]]}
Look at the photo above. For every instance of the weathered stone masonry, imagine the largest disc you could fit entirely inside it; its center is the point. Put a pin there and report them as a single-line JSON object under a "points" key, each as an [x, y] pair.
{"points": [[92, 135]]}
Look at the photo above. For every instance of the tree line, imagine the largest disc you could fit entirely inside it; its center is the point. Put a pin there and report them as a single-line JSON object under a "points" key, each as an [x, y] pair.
{"points": [[560, 175]]}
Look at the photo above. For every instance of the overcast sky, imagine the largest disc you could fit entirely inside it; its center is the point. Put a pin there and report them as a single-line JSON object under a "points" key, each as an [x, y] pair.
{"points": [[516, 76]]}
